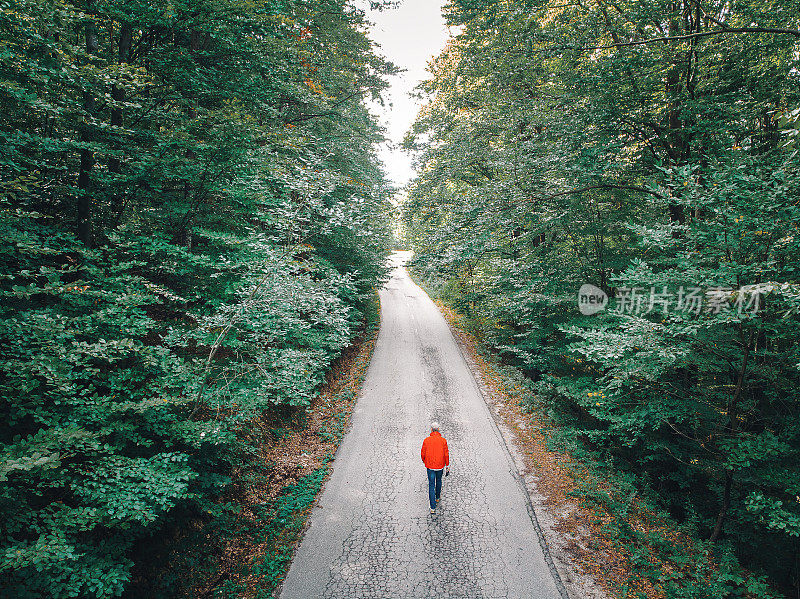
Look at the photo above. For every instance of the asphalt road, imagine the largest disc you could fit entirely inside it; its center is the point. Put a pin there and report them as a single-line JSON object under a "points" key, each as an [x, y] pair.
{"points": [[371, 535]]}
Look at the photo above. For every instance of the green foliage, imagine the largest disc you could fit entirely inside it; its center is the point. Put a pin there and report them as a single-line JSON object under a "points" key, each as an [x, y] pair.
{"points": [[284, 521], [192, 219], [566, 144], [333, 430]]}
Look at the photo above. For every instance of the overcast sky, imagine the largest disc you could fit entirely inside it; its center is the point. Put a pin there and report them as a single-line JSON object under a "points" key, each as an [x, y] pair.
{"points": [[409, 36]]}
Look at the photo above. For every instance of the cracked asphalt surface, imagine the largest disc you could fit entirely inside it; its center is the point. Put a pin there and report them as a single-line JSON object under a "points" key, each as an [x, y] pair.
{"points": [[371, 535]]}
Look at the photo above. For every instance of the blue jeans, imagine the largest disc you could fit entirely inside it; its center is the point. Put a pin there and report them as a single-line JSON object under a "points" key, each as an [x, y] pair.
{"points": [[434, 486]]}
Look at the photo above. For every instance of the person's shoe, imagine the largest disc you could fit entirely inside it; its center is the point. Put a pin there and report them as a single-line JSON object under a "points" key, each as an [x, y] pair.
{"points": [[433, 511]]}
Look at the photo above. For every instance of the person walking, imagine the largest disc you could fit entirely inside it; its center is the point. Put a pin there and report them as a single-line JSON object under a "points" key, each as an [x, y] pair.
{"points": [[436, 458]]}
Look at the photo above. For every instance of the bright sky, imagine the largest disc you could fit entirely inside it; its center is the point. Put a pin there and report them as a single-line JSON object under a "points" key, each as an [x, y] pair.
{"points": [[409, 36]]}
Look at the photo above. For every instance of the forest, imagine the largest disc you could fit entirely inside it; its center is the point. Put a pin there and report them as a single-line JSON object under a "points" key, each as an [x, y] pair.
{"points": [[648, 149], [193, 223]]}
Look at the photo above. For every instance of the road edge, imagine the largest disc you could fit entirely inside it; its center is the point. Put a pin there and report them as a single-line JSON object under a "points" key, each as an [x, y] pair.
{"points": [[514, 460]]}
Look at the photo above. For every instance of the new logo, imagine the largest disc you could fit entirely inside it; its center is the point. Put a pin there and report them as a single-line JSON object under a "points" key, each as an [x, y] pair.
{"points": [[591, 299]]}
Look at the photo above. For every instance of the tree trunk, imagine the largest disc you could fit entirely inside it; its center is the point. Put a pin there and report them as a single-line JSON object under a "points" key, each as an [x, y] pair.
{"points": [[117, 90], [117, 118], [733, 412], [85, 232], [726, 504], [183, 235], [675, 142]]}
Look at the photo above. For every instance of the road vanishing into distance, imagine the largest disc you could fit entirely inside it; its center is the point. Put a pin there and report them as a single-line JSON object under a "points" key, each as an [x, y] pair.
{"points": [[371, 534]]}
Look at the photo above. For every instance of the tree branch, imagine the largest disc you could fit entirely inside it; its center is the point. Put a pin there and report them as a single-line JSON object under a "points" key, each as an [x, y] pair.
{"points": [[794, 32], [600, 186], [306, 117]]}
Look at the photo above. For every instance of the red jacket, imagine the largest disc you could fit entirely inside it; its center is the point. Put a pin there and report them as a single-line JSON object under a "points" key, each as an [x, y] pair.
{"points": [[434, 452]]}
